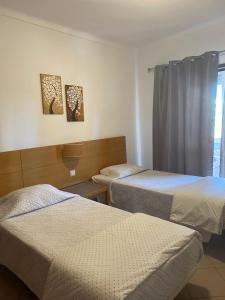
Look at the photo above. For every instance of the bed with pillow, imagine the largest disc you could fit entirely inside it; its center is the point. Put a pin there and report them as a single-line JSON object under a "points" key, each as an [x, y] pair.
{"points": [[198, 202], [67, 247]]}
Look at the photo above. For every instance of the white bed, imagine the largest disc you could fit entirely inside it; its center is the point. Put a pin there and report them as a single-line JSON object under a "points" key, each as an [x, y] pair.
{"points": [[80, 249], [194, 201]]}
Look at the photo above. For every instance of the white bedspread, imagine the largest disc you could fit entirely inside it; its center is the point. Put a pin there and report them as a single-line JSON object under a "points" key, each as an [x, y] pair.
{"points": [[201, 204], [159, 181], [114, 263], [39, 235], [81, 246], [191, 200]]}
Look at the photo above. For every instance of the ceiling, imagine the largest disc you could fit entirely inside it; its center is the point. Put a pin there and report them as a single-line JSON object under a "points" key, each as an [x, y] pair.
{"points": [[130, 22]]}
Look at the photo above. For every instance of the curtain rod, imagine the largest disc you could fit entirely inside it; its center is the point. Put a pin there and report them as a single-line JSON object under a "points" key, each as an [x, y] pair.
{"points": [[150, 69]]}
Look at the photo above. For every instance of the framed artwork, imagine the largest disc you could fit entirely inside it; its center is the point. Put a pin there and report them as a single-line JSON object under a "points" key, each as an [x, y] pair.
{"points": [[51, 90], [74, 103]]}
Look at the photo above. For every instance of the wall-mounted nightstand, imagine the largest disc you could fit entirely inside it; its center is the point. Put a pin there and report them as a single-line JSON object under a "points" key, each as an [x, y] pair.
{"points": [[89, 190]]}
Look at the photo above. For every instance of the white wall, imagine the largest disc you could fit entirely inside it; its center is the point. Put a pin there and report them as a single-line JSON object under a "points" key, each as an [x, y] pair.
{"points": [[188, 43], [105, 71], [118, 90]]}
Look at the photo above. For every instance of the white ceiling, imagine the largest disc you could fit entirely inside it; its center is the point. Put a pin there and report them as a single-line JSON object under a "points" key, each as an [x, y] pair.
{"points": [[131, 22]]}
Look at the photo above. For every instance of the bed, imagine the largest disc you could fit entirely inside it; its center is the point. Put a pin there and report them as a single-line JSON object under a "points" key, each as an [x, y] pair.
{"points": [[64, 246], [198, 202]]}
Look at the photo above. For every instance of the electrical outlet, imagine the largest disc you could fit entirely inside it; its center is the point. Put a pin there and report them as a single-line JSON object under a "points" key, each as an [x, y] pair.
{"points": [[72, 172]]}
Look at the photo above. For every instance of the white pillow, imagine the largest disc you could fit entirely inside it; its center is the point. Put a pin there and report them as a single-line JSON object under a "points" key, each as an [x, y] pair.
{"points": [[120, 171], [29, 199]]}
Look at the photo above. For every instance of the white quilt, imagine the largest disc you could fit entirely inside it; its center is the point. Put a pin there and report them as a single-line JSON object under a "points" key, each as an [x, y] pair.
{"points": [[159, 181], [201, 205], [80, 247], [114, 263], [190, 200]]}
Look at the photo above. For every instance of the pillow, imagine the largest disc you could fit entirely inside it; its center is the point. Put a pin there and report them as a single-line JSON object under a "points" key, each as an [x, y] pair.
{"points": [[120, 171], [29, 199]]}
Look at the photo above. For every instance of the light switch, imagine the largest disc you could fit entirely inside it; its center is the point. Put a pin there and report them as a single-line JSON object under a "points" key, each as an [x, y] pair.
{"points": [[72, 172]]}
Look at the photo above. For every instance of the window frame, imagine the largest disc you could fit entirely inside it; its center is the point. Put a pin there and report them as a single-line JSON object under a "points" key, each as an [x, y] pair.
{"points": [[221, 67]]}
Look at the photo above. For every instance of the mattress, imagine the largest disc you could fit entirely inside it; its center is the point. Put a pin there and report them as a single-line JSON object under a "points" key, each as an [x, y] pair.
{"points": [[40, 236]]}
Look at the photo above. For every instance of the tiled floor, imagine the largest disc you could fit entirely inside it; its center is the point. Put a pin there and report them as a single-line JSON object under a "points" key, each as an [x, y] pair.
{"points": [[207, 283]]}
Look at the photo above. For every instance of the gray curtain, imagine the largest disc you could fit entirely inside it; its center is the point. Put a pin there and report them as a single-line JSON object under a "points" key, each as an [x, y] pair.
{"points": [[222, 151], [184, 114]]}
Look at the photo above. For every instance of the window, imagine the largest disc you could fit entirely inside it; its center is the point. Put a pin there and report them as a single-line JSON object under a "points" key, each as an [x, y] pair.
{"points": [[218, 121]]}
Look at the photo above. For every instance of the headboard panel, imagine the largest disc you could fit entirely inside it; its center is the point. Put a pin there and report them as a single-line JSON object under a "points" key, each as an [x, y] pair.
{"points": [[10, 171], [46, 164]]}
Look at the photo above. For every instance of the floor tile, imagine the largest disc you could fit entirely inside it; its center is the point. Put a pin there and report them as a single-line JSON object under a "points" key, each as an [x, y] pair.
{"points": [[216, 258], [207, 262], [221, 271], [214, 298], [210, 298], [206, 283], [184, 295], [215, 251]]}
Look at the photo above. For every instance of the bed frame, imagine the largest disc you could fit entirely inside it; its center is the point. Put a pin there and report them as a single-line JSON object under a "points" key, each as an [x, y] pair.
{"points": [[27, 167]]}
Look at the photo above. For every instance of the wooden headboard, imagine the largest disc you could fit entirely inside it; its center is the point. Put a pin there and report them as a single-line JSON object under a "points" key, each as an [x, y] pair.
{"points": [[10, 171], [27, 167]]}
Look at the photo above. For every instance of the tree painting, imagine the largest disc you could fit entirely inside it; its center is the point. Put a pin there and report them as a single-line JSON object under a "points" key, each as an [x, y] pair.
{"points": [[74, 103], [51, 94]]}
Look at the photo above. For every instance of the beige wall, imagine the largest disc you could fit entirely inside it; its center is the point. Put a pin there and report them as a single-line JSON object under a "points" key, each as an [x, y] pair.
{"points": [[194, 42], [105, 71]]}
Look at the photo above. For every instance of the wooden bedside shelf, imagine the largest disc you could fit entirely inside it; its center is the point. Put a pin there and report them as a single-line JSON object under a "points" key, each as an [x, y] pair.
{"points": [[89, 190]]}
